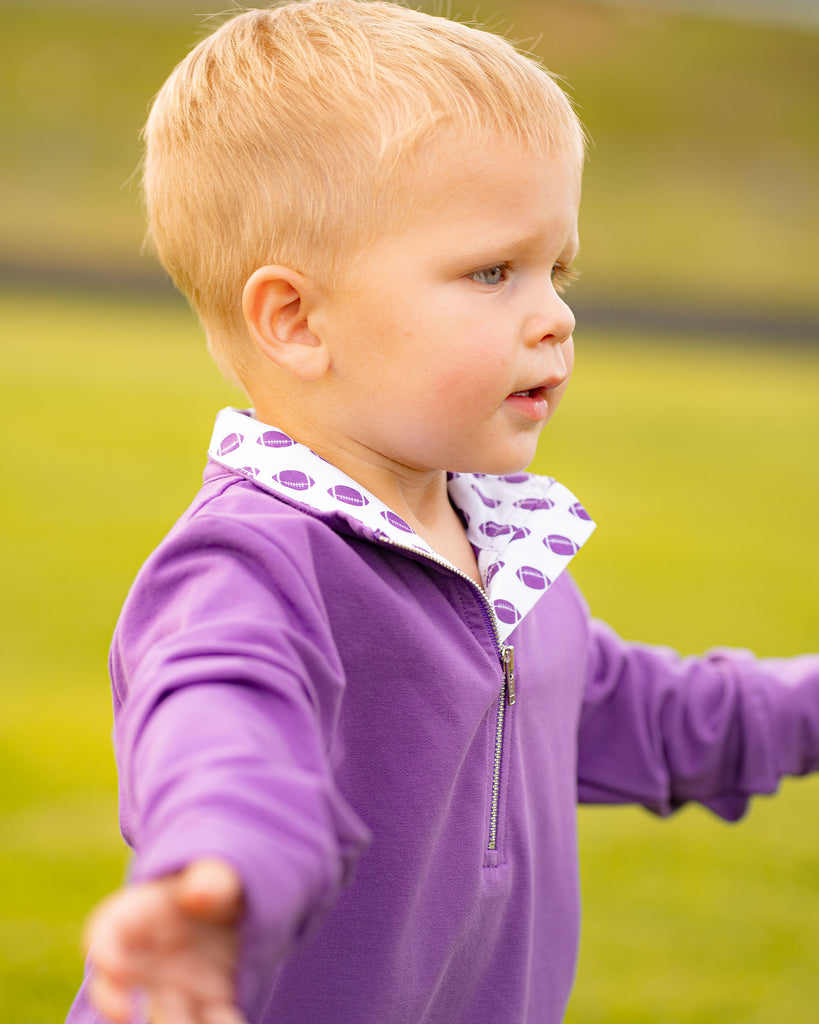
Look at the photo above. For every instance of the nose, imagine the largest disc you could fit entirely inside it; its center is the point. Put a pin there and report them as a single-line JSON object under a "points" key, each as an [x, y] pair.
{"points": [[550, 332], [554, 322]]}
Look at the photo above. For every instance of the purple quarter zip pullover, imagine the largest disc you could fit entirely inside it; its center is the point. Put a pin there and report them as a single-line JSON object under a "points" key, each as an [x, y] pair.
{"points": [[390, 756]]}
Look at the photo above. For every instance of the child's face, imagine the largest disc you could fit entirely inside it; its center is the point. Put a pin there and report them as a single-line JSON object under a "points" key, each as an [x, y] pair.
{"points": [[452, 347]]}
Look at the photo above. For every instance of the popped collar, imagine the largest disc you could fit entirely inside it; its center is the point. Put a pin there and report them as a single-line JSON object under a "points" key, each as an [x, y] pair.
{"points": [[525, 528]]}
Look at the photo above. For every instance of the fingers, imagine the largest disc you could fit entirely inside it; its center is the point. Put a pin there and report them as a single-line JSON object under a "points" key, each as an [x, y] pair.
{"points": [[210, 889], [174, 938], [108, 938], [223, 1015], [115, 976], [171, 1007], [114, 1002]]}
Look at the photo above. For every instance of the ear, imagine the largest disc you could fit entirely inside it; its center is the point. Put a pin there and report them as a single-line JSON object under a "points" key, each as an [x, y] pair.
{"points": [[276, 302]]}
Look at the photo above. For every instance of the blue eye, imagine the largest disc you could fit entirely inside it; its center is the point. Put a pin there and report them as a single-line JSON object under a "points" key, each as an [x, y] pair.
{"points": [[490, 275]]}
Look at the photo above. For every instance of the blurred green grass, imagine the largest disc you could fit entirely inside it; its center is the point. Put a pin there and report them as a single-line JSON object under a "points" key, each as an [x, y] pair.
{"points": [[699, 461], [701, 180], [114, 400]]}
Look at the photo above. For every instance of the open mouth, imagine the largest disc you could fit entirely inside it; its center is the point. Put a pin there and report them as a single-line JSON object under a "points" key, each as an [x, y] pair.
{"points": [[531, 393], [532, 403]]}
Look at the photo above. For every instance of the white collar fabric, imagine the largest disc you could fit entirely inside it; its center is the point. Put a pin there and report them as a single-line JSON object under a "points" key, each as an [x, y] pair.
{"points": [[525, 528]]}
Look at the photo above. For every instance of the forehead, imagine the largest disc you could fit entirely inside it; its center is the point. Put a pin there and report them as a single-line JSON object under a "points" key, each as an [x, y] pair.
{"points": [[495, 183]]}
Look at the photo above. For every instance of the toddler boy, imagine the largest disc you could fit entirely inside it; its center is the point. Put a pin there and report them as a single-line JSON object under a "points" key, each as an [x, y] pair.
{"points": [[357, 695]]}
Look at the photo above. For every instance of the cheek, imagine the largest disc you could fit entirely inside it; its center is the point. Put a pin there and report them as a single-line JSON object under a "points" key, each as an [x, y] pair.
{"points": [[471, 377]]}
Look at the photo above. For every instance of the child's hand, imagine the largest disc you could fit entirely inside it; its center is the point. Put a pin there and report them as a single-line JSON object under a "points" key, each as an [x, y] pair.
{"points": [[172, 940]]}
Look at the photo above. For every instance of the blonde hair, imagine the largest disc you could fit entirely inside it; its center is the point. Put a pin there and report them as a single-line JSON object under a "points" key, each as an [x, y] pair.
{"points": [[282, 136]]}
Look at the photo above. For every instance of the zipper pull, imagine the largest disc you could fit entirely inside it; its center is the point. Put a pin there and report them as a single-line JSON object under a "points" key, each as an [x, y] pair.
{"points": [[508, 658]]}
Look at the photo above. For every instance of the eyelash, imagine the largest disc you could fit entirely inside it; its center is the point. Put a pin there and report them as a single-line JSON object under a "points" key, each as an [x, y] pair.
{"points": [[562, 276]]}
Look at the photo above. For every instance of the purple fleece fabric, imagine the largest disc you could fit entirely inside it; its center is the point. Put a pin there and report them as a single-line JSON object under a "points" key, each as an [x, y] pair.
{"points": [[321, 708]]}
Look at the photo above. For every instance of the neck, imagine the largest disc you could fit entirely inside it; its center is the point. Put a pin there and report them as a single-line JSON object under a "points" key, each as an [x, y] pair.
{"points": [[422, 501], [419, 497]]}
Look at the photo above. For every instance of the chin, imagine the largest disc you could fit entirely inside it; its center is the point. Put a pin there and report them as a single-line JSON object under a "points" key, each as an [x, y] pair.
{"points": [[497, 465]]}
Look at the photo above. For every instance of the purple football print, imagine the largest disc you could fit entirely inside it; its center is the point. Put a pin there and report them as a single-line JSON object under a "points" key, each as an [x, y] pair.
{"points": [[396, 521], [349, 495], [506, 611], [489, 502], [294, 479], [493, 570], [492, 529], [230, 444], [561, 545], [275, 439], [578, 510], [534, 504], [532, 577]]}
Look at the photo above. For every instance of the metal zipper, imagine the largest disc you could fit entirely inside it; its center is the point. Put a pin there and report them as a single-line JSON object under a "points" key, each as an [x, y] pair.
{"points": [[506, 655], [507, 697]]}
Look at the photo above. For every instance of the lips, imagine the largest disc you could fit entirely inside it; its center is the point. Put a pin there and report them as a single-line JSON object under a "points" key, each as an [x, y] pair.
{"points": [[532, 403]]}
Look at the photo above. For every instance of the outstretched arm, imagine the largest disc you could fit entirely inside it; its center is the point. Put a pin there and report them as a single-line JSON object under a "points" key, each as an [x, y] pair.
{"points": [[171, 943], [661, 730], [225, 692]]}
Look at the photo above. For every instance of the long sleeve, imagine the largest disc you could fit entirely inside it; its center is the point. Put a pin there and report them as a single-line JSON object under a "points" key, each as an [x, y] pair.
{"points": [[662, 730], [225, 684]]}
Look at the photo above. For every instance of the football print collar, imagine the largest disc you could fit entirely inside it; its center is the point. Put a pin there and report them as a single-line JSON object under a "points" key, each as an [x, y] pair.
{"points": [[524, 528]]}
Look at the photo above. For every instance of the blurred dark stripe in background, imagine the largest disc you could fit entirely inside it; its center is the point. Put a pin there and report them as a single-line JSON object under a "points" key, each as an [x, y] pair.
{"points": [[701, 203]]}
